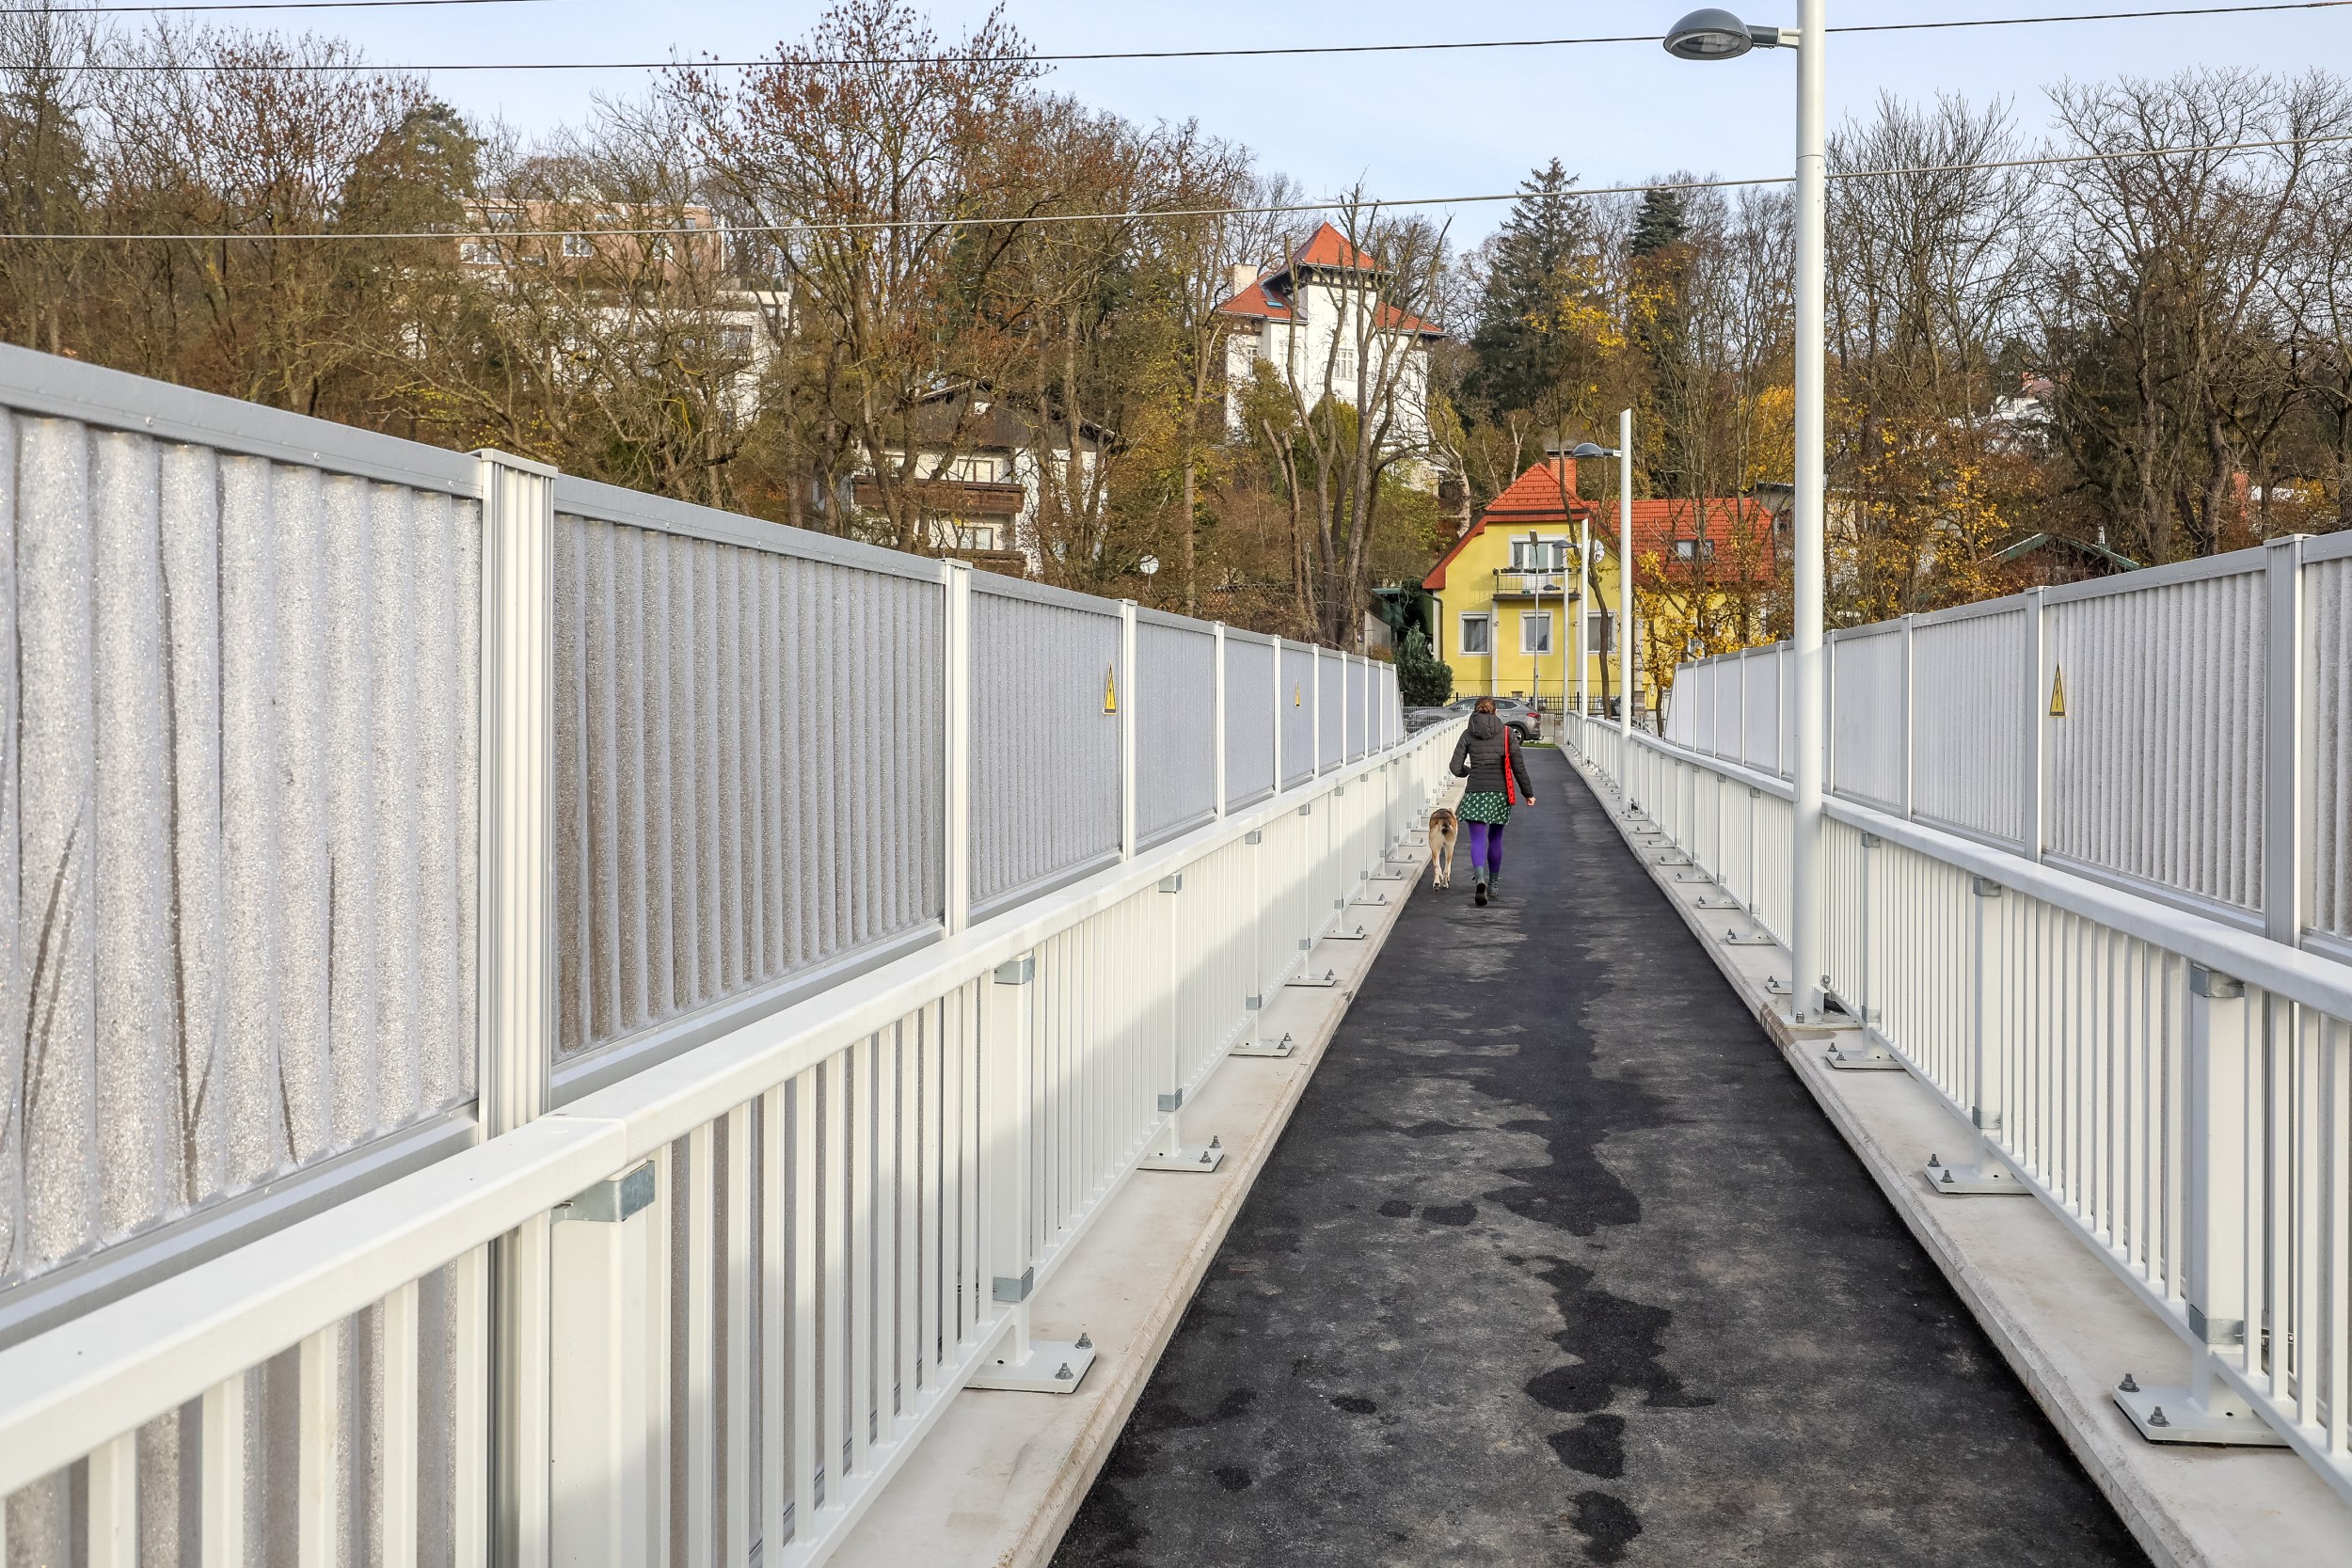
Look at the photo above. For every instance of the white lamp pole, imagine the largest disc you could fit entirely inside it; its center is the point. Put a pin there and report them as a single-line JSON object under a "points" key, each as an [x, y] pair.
{"points": [[1717, 35], [1629, 650]]}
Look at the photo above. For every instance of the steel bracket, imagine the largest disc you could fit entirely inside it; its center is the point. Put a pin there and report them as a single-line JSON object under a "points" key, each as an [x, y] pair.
{"points": [[1990, 1175], [1863, 1056], [1259, 1046], [2173, 1416], [1194, 1158], [613, 1200], [1052, 1366]]}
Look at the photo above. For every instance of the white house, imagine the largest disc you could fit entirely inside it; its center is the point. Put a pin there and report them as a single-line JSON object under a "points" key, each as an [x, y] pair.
{"points": [[1318, 317]]}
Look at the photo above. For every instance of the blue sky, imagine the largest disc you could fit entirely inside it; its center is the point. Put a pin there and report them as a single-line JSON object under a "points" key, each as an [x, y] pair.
{"points": [[1406, 126]]}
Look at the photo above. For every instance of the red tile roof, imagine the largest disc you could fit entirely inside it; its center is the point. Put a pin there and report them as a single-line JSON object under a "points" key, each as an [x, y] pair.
{"points": [[1269, 298], [1742, 530]]}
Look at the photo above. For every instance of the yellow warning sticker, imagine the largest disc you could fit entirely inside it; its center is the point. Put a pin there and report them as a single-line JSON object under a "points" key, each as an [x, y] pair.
{"points": [[1110, 690], [1298, 696], [2057, 691]]}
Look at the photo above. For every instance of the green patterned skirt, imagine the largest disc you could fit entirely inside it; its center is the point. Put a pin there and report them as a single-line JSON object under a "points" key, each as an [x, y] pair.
{"points": [[1490, 806]]}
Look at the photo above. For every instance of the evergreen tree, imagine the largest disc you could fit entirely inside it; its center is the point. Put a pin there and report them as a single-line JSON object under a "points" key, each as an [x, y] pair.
{"points": [[1540, 254], [1661, 332], [1420, 680]]}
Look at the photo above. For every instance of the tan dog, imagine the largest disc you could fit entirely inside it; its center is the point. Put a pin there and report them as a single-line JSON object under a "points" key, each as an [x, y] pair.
{"points": [[1443, 830]]}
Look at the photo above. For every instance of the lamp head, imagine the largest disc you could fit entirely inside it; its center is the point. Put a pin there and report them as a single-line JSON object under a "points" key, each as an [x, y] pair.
{"points": [[1586, 449], [1714, 34]]}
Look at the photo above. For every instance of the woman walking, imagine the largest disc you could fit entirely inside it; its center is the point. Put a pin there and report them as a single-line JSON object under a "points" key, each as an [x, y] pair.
{"points": [[1487, 759]]}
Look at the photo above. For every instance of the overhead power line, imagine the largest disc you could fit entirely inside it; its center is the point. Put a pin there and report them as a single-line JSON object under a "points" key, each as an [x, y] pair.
{"points": [[1163, 214], [1096, 57]]}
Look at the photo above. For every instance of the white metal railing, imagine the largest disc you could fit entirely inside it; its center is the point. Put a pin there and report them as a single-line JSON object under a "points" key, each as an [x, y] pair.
{"points": [[543, 846], [2177, 1089], [2183, 732], [823, 1224]]}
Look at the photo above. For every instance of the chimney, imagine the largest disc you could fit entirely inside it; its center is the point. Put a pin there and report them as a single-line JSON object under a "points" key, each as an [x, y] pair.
{"points": [[1242, 274]]}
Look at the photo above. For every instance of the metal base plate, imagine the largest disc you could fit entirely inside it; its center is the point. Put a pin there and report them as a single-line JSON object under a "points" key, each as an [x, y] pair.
{"points": [[1863, 1056], [1055, 1367], [1281, 1046], [1672, 860], [1329, 978], [2166, 1415], [1974, 1180], [1692, 876], [1377, 901], [1346, 933], [1733, 939], [1391, 875], [1707, 903], [1199, 1158]]}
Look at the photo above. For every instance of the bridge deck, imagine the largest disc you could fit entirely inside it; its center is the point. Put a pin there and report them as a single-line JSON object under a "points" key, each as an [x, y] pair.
{"points": [[1559, 1262]]}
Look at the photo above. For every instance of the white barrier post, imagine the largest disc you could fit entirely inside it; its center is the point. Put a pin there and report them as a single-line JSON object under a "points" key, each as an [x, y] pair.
{"points": [[516, 969], [1169, 1149], [604, 1375], [2223, 1130], [1007, 1047], [1987, 1074]]}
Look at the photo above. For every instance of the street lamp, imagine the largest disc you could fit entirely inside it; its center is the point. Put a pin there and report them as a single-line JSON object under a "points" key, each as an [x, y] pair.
{"points": [[1718, 35], [1628, 651]]}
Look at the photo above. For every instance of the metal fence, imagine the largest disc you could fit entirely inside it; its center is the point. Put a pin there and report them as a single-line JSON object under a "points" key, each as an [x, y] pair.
{"points": [[2174, 1086], [405, 852], [2183, 732]]}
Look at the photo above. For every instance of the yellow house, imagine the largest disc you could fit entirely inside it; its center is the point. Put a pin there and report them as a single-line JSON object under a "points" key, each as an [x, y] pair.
{"points": [[1509, 593]]}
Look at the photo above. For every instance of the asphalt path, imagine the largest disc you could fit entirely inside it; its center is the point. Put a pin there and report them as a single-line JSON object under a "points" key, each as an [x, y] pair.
{"points": [[1557, 1263]]}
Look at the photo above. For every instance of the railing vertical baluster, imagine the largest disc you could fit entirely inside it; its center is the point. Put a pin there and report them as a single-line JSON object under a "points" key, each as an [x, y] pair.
{"points": [[114, 1501], [223, 1478], [318, 1509], [473, 1441], [737, 1376], [778, 1480], [808, 1452], [396, 1497], [860, 1167], [906, 1210], [701, 1498]]}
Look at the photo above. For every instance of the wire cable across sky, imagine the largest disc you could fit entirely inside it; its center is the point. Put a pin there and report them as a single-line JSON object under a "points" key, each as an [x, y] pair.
{"points": [[1097, 57], [1165, 214]]}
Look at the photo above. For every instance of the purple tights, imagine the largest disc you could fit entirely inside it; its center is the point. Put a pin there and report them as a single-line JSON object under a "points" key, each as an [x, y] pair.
{"points": [[1486, 846]]}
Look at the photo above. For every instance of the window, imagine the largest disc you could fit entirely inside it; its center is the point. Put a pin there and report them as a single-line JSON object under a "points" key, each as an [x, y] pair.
{"points": [[1695, 550], [1539, 555], [1596, 629], [976, 536], [1343, 364], [1476, 640], [977, 470], [1535, 632]]}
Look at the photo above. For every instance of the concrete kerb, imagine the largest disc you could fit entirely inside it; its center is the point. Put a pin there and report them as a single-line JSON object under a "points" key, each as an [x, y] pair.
{"points": [[999, 1481], [2058, 1315]]}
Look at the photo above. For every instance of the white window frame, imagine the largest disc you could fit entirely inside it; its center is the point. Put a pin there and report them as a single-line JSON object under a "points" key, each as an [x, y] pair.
{"points": [[1531, 620], [1485, 624], [1550, 554]]}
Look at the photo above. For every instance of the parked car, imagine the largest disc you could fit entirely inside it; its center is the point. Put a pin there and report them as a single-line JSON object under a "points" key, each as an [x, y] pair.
{"points": [[1518, 712], [1422, 718]]}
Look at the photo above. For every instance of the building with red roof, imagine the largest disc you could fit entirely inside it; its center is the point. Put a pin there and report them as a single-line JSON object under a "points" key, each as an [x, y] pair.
{"points": [[1317, 319], [1506, 590]]}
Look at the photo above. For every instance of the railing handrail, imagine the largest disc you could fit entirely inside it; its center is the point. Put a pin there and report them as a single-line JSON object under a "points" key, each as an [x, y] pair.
{"points": [[2310, 979], [84, 1382], [2245, 955]]}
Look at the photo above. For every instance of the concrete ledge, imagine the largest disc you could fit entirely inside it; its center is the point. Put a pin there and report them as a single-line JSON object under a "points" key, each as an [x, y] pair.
{"points": [[2065, 1322], [999, 1481]]}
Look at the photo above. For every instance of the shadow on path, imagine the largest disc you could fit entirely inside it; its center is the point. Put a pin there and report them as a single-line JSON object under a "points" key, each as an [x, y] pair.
{"points": [[1558, 1263]]}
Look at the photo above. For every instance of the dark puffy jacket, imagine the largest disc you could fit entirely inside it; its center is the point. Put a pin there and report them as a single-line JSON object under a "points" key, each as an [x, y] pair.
{"points": [[1479, 758]]}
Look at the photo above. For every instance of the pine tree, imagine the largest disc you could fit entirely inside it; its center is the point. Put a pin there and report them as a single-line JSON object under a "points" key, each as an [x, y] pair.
{"points": [[1662, 331], [1518, 355]]}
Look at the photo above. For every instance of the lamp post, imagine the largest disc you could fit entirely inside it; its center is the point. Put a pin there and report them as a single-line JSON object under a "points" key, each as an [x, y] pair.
{"points": [[1628, 651], [1717, 35]]}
